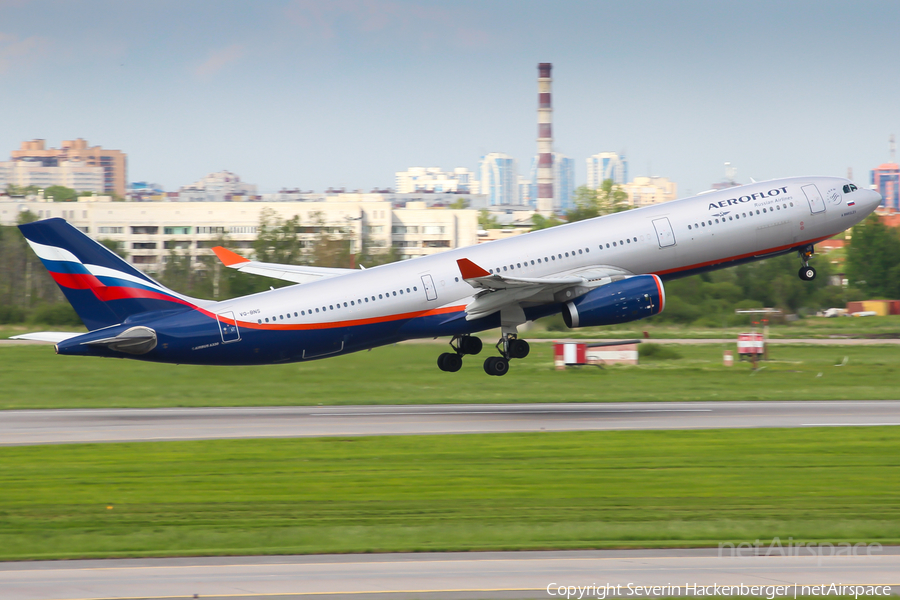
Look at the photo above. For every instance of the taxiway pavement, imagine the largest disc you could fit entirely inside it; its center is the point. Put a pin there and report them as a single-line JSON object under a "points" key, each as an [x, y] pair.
{"points": [[446, 575], [21, 427]]}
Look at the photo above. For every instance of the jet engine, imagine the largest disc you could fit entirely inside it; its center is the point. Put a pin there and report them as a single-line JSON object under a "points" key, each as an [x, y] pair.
{"points": [[617, 302]]}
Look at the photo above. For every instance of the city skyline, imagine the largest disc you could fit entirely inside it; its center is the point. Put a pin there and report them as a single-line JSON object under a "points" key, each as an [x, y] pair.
{"points": [[344, 94]]}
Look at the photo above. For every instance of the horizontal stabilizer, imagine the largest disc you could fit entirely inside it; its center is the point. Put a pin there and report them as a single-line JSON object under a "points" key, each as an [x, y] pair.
{"points": [[46, 336]]}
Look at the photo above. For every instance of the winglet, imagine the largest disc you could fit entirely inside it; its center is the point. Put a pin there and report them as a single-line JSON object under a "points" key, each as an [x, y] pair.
{"points": [[228, 257], [470, 270]]}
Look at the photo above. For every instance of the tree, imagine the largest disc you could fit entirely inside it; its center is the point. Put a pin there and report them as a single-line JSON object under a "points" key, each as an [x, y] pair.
{"points": [[116, 246], [486, 220], [542, 222], [277, 240], [332, 248], [460, 204], [589, 202], [60, 193], [873, 258]]}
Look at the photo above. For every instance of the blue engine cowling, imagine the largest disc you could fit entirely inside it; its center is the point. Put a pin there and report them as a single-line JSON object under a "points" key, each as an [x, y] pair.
{"points": [[618, 302]]}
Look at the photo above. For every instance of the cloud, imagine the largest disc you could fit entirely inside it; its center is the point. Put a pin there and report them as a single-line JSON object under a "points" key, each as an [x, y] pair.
{"points": [[218, 60], [16, 52]]}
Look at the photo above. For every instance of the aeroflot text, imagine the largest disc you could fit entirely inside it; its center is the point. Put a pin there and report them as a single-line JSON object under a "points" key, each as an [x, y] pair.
{"points": [[767, 591], [756, 196]]}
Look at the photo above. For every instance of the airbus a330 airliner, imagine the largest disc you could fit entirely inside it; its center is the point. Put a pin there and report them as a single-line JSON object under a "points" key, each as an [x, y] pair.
{"points": [[601, 271]]}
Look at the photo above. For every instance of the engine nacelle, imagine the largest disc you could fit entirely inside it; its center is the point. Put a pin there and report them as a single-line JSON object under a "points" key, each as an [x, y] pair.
{"points": [[618, 302]]}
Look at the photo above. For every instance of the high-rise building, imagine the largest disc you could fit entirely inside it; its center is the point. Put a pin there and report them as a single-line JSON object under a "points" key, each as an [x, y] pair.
{"points": [[606, 165], [886, 181], [113, 162], [499, 179], [432, 179]]}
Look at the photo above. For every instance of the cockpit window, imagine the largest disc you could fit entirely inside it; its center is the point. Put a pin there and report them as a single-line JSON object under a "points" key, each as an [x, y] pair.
{"points": [[850, 187]]}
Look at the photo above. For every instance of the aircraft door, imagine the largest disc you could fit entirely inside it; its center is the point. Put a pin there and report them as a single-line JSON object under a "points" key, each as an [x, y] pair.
{"points": [[664, 233], [430, 290], [816, 202], [228, 327]]}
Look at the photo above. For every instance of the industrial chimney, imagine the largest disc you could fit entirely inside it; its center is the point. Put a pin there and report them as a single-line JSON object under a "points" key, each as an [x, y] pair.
{"points": [[545, 142]]}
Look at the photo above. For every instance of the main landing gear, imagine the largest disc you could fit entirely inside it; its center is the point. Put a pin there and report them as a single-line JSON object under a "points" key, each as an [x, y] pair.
{"points": [[509, 346], [462, 345], [807, 273]]}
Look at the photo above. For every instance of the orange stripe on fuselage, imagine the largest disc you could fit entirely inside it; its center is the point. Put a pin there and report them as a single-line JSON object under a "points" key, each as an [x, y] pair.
{"points": [[348, 323]]}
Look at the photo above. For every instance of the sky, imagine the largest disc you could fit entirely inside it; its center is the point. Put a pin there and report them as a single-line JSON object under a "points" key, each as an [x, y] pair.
{"points": [[313, 94]]}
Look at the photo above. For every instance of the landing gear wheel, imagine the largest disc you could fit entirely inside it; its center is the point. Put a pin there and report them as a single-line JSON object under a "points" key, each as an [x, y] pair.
{"points": [[496, 365], [469, 344], [807, 273], [518, 348], [449, 362]]}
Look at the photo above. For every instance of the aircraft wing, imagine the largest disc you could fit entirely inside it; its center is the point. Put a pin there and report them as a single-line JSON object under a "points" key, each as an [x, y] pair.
{"points": [[500, 291], [295, 273]]}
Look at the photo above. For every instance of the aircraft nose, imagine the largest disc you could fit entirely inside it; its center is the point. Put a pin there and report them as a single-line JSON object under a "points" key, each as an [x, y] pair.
{"points": [[872, 199]]}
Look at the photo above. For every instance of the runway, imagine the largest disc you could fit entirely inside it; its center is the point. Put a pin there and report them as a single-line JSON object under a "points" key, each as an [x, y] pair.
{"points": [[21, 427], [445, 575]]}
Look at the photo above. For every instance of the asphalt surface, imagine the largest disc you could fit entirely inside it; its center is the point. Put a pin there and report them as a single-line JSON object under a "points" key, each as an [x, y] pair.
{"points": [[445, 575], [18, 427]]}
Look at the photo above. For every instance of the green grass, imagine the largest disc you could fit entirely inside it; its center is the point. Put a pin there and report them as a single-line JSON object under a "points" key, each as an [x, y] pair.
{"points": [[34, 377], [473, 492]]}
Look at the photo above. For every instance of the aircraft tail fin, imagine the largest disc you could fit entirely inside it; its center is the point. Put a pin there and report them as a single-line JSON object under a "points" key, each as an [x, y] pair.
{"points": [[102, 288]]}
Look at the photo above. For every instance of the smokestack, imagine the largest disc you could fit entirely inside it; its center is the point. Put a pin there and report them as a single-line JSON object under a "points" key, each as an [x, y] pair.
{"points": [[545, 141]]}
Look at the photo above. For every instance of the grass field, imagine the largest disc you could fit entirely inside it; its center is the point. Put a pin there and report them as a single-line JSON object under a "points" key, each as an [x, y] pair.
{"points": [[34, 377], [417, 493]]}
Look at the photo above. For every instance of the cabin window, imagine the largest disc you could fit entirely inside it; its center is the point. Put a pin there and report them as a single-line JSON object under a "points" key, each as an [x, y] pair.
{"points": [[579, 252], [395, 293], [553, 258], [567, 255], [407, 289], [345, 305], [689, 226], [295, 314], [259, 320], [607, 244], [415, 288], [628, 240], [380, 296], [532, 262], [504, 268], [614, 243], [367, 298]]}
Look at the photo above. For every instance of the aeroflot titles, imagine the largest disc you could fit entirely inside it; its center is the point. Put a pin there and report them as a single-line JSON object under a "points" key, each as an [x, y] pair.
{"points": [[756, 196]]}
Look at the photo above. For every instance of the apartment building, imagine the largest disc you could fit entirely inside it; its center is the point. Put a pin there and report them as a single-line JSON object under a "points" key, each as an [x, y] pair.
{"points": [[150, 231]]}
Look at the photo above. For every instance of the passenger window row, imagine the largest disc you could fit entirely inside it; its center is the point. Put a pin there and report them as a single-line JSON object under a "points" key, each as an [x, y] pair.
{"points": [[338, 306], [744, 215], [532, 263]]}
